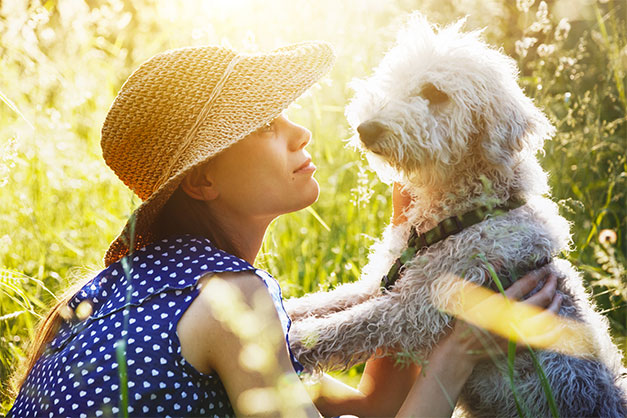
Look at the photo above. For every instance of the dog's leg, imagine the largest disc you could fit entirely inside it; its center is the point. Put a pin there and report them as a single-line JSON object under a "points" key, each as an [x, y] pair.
{"points": [[324, 303], [342, 339], [345, 338]]}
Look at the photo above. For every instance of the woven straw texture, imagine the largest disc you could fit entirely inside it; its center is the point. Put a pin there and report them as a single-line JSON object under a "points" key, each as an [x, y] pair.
{"points": [[183, 106]]}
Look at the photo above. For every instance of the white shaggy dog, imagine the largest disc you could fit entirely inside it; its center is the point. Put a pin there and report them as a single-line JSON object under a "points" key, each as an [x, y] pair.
{"points": [[444, 115]]}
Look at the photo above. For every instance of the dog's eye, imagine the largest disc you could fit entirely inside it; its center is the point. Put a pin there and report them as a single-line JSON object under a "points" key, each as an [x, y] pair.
{"points": [[431, 93]]}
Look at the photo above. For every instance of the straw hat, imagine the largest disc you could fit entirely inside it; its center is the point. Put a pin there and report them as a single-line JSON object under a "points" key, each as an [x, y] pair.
{"points": [[183, 106]]}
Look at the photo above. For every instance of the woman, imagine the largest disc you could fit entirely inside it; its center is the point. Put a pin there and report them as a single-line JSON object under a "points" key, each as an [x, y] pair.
{"points": [[180, 323]]}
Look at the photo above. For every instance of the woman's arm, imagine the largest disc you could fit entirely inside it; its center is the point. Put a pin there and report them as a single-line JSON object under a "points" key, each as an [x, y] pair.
{"points": [[435, 391], [383, 387], [232, 328]]}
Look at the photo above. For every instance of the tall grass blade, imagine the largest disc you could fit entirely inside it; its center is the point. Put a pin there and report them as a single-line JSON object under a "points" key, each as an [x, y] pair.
{"points": [[313, 212], [614, 52], [14, 108], [511, 357], [511, 345], [120, 349], [493, 274], [545, 383], [120, 354], [12, 315]]}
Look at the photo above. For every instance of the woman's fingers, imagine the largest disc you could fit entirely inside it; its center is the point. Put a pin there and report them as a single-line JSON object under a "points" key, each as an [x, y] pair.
{"points": [[536, 325], [545, 295], [556, 304], [546, 329], [400, 201], [526, 284]]}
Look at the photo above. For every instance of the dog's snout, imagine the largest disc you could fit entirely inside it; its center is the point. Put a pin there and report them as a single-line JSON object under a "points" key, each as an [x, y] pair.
{"points": [[369, 132]]}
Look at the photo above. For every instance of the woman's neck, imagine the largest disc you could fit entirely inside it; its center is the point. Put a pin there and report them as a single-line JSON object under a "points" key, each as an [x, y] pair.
{"points": [[244, 232]]}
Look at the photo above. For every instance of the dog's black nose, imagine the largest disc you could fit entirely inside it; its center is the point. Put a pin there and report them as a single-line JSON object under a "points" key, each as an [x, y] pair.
{"points": [[369, 132]]}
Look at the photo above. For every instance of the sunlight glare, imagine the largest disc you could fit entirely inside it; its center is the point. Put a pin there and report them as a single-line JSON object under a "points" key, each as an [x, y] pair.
{"points": [[518, 321]]}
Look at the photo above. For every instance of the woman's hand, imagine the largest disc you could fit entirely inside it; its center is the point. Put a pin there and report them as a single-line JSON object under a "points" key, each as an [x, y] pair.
{"points": [[400, 202], [476, 344]]}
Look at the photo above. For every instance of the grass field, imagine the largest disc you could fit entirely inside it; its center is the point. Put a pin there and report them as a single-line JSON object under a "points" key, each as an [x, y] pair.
{"points": [[62, 62]]}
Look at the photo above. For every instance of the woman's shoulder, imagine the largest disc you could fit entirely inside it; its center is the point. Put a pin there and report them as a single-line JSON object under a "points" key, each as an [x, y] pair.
{"points": [[231, 294], [232, 290], [232, 328], [243, 284], [227, 307]]}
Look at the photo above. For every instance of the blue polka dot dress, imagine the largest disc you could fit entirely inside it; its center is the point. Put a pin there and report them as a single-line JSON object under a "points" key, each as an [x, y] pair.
{"points": [[131, 328]]}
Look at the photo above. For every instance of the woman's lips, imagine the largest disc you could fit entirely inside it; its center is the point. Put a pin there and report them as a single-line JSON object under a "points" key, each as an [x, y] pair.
{"points": [[306, 167]]}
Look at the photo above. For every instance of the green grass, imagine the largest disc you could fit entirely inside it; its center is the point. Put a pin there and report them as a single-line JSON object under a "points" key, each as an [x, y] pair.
{"points": [[60, 206], [522, 410]]}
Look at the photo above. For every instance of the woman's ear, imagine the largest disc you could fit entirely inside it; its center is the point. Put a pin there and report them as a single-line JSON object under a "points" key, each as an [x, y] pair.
{"points": [[199, 185]]}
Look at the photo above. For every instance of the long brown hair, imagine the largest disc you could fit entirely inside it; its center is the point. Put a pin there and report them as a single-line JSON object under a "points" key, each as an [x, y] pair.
{"points": [[180, 215], [183, 214], [46, 330]]}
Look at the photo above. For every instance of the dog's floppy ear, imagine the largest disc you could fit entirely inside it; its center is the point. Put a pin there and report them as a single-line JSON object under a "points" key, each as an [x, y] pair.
{"points": [[513, 125], [434, 95]]}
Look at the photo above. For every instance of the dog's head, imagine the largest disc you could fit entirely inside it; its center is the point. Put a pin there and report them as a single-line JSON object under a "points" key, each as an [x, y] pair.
{"points": [[443, 97]]}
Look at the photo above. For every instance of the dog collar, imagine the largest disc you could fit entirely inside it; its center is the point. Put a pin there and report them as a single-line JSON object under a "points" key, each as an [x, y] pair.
{"points": [[446, 228]]}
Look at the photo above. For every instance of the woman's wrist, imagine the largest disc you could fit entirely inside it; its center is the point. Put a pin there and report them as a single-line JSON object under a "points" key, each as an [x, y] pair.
{"points": [[441, 380], [455, 352]]}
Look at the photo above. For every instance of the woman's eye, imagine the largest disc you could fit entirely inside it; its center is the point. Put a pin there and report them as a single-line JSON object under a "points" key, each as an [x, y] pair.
{"points": [[268, 127]]}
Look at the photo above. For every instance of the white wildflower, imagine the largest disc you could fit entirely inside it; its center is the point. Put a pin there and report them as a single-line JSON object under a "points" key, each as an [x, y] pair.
{"points": [[523, 45], [568, 61], [607, 235], [542, 23], [562, 29], [545, 50], [543, 11], [524, 5]]}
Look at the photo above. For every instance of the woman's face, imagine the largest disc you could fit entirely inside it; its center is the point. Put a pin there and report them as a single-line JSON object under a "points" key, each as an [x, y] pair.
{"points": [[267, 173]]}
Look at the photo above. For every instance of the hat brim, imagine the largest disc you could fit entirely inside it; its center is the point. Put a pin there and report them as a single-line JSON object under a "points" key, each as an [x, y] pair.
{"points": [[267, 93]]}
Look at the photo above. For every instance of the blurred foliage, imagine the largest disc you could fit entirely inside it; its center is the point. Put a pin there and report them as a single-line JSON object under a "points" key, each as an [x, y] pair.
{"points": [[63, 61]]}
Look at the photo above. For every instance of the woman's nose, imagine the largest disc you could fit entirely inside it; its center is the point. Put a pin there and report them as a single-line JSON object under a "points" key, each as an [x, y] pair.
{"points": [[301, 137]]}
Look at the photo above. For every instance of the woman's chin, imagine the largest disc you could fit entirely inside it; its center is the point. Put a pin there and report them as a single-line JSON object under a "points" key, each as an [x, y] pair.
{"points": [[315, 193], [309, 194]]}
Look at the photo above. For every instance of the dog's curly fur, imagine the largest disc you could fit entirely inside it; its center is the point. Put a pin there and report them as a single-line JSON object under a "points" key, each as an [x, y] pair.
{"points": [[454, 127]]}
